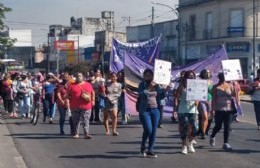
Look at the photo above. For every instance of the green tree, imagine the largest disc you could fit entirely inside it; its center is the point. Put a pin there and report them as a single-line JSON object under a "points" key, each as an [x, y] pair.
{"points": [[5, 41]]}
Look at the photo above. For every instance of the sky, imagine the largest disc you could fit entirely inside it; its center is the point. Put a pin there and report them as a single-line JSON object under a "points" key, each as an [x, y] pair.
{"points": [[37, 15]]}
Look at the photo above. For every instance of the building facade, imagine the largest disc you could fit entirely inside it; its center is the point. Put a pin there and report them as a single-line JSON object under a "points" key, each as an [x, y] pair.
{"points": [[169, 40], [103, 46], [22, 49], [204, 25]]}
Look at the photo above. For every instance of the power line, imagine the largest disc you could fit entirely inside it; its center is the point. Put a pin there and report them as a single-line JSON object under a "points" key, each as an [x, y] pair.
{"points": [[28, 23]]}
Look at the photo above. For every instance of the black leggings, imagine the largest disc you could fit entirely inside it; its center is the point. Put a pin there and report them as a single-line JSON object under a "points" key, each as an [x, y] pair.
{"points": [[222, 117]]}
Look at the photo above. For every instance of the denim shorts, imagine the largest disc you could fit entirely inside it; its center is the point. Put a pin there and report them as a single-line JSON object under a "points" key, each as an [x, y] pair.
{"points": [[204, 107]]}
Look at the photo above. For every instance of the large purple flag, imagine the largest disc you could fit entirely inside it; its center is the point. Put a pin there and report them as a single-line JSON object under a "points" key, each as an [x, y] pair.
{"points": [[134, 68], [147, 51], [212, 63]]}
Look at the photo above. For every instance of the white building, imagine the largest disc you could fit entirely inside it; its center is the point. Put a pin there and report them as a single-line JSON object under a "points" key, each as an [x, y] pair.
{"points": [[23, 37], [206, 24]]}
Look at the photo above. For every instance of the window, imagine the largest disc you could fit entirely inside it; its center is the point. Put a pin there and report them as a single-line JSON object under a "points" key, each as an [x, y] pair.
{"points": [[208, 29], [192, 28], [236, 18], [236, 24]]}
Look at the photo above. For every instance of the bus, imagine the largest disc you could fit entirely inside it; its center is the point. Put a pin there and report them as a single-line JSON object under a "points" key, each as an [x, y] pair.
{"points": [[11, 65]]}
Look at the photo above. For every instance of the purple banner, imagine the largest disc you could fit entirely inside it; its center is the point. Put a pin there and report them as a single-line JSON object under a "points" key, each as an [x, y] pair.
{"points": [[212, 63], [146, 51], [134, 68]]}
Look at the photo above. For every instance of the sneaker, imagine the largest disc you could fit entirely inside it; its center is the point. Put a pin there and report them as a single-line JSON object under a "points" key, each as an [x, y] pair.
{"points": [[124, 122], [62, 132], [212, 142], [115, 133], [160, 126], [191, 148], [227, 147], [151, 155], [88, 136], [194, 142], [142, 153], [203, 136], [184, 150]]}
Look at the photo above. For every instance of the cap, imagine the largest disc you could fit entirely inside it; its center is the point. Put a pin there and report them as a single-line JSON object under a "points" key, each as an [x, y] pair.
{"points": [[50, 74]]}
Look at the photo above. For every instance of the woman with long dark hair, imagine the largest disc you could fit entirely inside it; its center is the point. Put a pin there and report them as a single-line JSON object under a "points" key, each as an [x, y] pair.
{"points": [[23, 92], [148, 102], [186, 114], [204, 107], [256, 98], [222, 106], [113, 92]]}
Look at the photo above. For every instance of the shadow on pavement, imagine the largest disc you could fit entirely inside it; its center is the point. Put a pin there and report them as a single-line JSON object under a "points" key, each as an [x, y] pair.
{"points": [[127, 142], [253, 140], [239, 151], [39, 136], [97, 157]]}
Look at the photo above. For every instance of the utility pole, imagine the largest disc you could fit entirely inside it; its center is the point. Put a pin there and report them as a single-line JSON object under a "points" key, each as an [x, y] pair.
{"points": [[128, 19], [186, 42], [254, 37], [48, 53], [152, 23], [78, 51]]}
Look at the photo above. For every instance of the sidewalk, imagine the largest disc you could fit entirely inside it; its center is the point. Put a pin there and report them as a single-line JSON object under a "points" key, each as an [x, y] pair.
{"points": [[9, 156], [246, 98]]}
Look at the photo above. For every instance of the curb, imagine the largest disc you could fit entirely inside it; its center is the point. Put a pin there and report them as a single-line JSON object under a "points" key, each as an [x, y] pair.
{"points": [[13, 158]]}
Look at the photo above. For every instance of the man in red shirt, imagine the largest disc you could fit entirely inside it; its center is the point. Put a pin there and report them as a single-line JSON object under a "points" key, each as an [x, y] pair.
{"points": [[81, 107]]}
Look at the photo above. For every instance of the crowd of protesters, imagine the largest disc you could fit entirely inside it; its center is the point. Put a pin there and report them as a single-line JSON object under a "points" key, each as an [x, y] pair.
{"points": [[89, 98]]}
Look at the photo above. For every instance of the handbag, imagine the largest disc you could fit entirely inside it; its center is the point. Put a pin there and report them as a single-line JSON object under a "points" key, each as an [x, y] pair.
{"points": [[20, 95], [102, 103], [86, 96], [234, 106]]}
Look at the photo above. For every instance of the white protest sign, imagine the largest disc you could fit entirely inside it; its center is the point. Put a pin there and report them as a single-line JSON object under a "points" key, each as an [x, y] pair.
{"points": [[232, 70], [197, 90], [162, 72]]}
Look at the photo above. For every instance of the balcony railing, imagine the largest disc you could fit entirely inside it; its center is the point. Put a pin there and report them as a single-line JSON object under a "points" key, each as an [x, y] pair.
{"points": [[192, 2], [207, 34]]}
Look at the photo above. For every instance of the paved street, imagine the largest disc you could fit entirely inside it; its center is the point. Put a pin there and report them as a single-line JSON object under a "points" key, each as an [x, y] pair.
{"points": [[41, 147]]}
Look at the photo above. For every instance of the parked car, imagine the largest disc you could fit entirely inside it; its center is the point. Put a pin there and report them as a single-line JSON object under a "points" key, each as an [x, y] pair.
{"points": [[245, 86]]}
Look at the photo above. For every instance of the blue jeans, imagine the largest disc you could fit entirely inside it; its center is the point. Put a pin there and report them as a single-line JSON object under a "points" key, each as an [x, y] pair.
{"points": [[54, 110], [62, 117], [149, 119], [121, 107], [24, 105], [257, 112], [48, 106]]}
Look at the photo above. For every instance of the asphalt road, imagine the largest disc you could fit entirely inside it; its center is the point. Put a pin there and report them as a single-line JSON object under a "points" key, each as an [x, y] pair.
{"points": [[41, 146]]}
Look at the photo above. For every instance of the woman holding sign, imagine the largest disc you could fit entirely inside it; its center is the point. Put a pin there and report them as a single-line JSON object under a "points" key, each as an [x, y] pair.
{"points": [[205, 106], [148, 102], [187, 115], [222, 94], [256, 98]]}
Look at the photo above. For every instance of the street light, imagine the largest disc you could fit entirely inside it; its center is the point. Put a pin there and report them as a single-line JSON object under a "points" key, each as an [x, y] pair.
{"points": [[174, 10], [178, 26]]}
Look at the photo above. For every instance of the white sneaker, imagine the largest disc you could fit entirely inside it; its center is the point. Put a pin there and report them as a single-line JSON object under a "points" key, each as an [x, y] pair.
{"points": [[191, 148], [194, 142], [184, 150]]}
